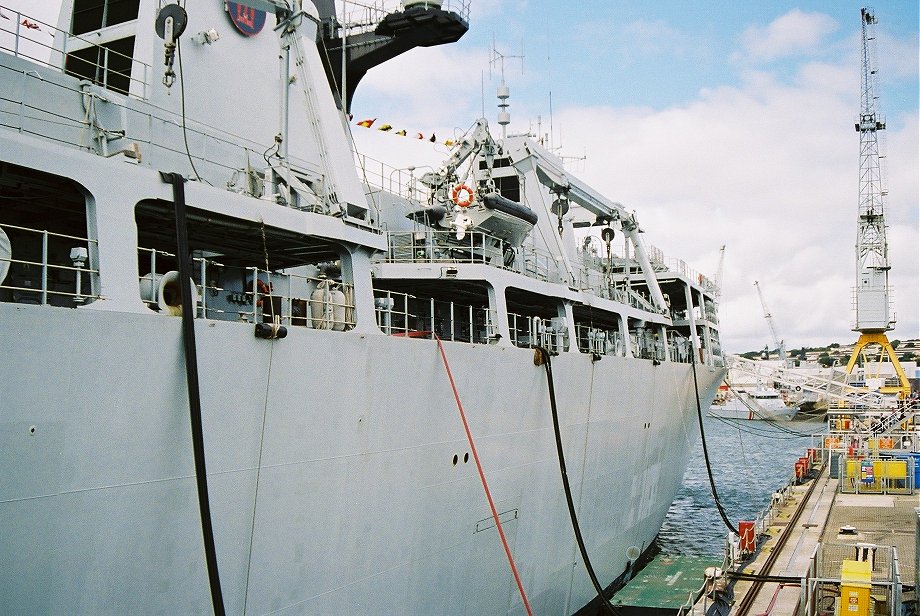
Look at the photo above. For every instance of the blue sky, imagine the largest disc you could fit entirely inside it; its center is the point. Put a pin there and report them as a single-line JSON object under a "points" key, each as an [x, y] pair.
{"points": [[718, 122]]}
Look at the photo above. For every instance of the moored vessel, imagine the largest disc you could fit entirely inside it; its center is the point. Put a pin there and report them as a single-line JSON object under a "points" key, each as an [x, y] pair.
{"points": [[184, 239]]}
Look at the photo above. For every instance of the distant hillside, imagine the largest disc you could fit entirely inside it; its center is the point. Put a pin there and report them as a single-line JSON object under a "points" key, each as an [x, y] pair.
{"points": [[836, 353]]}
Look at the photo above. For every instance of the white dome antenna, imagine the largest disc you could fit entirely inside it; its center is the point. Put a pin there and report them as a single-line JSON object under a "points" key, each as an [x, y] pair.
{"points": [[503, 92]]}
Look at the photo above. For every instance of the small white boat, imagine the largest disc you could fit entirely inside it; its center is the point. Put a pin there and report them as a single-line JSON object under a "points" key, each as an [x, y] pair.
{"points": [[753, 403]]}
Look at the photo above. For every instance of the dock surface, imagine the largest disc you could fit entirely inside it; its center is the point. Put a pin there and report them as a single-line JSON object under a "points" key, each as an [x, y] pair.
{"points": [[816, 512]]}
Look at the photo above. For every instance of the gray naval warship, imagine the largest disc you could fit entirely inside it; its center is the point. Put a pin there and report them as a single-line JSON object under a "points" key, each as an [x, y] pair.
{"points": [[239, 377]]}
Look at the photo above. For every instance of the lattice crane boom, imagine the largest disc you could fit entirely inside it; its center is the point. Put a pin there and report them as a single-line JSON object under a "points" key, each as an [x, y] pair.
{"points": [[780, 344], [718, 277], [872, 293]]}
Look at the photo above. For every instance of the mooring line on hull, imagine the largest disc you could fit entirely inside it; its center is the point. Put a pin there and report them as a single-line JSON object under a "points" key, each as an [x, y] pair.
{"points": [[712, 481], [268, 382], [482, 477], [542, 356], [194, 391], [255, 499]]}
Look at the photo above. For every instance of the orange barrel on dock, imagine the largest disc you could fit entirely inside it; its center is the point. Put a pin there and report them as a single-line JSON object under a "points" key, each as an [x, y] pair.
{"points": [[748, 539]]}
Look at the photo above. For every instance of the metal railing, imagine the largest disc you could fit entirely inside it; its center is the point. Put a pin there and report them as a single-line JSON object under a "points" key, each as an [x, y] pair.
{"points": [[598, 341], [360, 17], [822, 581], [316, 302], [529, 332], [404, 182], [876, 475], [26, 37], [834, 388], [404, 314], [430, 246], [50, 278]]}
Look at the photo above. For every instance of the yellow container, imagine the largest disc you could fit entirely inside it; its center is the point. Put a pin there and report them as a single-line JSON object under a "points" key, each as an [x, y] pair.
{"points": [[855, 585], [853, 468], [854, 600], [896, 469], [856, 572]]}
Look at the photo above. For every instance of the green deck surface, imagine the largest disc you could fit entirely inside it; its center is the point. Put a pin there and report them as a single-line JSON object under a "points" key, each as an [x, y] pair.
{"points": [[666, 582]]}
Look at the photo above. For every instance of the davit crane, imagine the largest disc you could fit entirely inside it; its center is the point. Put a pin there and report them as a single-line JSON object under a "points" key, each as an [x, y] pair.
{"points": [[872, 293]]}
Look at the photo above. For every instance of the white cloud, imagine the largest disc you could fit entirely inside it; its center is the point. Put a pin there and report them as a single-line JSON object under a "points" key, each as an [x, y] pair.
{"points": [[793, 33], [770, 170], [424, 89]]}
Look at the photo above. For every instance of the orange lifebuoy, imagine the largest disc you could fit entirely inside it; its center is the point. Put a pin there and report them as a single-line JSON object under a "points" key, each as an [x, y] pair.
{"points": [[455, 195]]}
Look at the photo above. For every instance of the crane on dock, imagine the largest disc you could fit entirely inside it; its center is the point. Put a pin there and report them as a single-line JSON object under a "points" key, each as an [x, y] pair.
{"points": [[717, 294], [780, 344], [872, 293]]}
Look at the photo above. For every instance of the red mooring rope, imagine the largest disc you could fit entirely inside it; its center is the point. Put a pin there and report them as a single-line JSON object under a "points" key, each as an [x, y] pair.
{"points": [[482, 477]]}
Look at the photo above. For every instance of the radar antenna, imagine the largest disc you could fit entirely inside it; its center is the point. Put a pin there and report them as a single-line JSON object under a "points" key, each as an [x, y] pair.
{"points": [[503, 93], [872, 293]]}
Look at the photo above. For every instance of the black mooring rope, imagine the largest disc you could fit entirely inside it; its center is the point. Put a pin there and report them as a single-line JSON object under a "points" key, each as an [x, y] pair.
{"points": [[699, 414], [545, 360], [194, 392]]}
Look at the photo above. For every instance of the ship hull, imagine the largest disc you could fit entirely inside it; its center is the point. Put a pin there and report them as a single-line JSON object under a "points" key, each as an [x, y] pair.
{"points": [[340, 476]]}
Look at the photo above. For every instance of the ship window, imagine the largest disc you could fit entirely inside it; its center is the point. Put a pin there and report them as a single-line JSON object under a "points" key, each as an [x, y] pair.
{"points": [[597, 331], [498, 163], [245, 271], [509, 187], [536, 320], [45, 254], [424, 308], [108, 65], [90, 15]]}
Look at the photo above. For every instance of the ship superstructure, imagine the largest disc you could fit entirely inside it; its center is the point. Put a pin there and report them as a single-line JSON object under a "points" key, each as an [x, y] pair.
{"points": [[163, 189]]}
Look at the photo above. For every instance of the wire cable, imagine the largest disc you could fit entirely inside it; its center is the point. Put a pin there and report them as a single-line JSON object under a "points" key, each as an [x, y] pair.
{"points": [[182, 104], [742, 425]]}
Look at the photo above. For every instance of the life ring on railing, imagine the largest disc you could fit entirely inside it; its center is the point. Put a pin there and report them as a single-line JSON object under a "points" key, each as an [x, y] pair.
{"points": [[455, 195]]}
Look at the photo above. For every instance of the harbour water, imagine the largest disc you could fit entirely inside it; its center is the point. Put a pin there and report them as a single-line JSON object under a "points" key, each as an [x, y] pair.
{"points": [[750, 460]]}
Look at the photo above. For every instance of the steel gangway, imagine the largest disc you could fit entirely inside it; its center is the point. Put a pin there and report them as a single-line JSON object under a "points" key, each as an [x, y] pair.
{"points": [[833, 387]]}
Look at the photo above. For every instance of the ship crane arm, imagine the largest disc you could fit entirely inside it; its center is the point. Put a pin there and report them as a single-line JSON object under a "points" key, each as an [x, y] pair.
{"points": [[551, 174], [479, 139]]}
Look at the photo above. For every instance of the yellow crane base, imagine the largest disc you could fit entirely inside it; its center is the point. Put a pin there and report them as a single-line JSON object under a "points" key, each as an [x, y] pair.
{"points": [[880, 339]]}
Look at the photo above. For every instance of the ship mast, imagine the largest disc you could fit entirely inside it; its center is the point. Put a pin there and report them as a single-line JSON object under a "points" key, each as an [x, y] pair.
{"points": [[872, 293]]}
